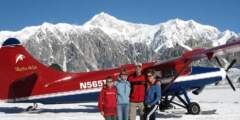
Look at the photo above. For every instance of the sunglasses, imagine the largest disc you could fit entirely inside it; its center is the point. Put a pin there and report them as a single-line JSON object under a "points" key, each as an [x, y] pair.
{"points": [[149, 75]]}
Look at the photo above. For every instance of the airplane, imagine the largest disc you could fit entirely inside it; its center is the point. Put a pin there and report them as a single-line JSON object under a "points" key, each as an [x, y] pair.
{"points": [[26, 80]]}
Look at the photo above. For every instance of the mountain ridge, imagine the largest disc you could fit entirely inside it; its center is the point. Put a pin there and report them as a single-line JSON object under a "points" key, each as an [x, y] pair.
{"points": [[105, 41], [102, 18]]}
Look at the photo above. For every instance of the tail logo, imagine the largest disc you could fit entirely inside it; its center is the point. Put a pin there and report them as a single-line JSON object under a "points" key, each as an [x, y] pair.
{"points": [[19, 57]]}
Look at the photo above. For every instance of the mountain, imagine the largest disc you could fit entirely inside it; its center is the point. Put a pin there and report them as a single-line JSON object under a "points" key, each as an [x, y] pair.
{"points": [[122, 30], [105, 41]]}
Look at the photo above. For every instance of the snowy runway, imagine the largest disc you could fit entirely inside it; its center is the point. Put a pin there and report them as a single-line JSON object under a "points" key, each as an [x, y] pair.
{"points": [[216, 104]]}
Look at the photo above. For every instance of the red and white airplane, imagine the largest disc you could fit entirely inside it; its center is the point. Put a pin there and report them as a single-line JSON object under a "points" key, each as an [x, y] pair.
{"points": [[24, 79]]}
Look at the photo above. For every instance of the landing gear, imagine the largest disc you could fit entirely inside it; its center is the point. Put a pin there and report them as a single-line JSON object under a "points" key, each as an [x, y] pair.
{"points": [[191, 107], [32, 108], [165, 104]]}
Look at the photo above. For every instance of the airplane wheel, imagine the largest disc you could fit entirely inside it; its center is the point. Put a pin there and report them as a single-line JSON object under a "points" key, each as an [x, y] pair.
{"points": [[194, 108], [32, 108]]}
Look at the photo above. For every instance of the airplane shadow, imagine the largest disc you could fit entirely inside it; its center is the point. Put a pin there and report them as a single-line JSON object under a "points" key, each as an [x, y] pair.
{"points": [[179, 115], [85, 109], [11, 110]]}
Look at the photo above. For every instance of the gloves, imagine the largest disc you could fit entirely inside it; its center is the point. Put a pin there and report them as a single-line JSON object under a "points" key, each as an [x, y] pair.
{"points": [[149, 106]]}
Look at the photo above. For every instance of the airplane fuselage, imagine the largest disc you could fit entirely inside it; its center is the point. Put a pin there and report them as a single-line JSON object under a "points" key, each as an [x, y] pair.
{"points": [[198, 77]]}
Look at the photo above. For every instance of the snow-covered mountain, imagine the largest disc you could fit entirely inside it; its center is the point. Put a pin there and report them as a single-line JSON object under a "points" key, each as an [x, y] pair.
{"points": [[122, 30], [105, 41]]}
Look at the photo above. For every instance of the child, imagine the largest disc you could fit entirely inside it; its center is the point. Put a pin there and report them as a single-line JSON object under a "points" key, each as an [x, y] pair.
{"points": [[107, 102]]}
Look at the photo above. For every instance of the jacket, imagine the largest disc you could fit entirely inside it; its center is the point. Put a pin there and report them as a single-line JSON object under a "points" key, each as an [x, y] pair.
{"points": [[107, 101], [138, 85], [153, 95], [123, 91]]}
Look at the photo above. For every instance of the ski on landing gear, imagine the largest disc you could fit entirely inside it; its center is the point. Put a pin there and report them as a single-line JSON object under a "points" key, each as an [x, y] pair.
{"points": [[32, 108], [191, 107]]}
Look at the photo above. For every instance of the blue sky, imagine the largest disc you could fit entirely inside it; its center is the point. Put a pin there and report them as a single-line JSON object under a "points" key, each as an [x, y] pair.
{"points": [[17, 14]]}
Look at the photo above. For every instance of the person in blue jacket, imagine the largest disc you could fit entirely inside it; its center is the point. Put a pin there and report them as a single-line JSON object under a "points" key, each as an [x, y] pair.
{"points": [[152, 96], [123, 93]]}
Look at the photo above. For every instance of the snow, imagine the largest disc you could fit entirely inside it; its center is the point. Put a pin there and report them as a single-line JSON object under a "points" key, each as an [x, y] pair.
{"points": [[185, 46], [171, 32], [117, 29], [28, 32], [234, 74], [23, 34], [177, 31], [225, 36], [217, 103]]}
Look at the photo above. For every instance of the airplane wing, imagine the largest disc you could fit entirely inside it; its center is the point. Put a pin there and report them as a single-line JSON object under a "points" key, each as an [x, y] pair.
{"points": [[182, 62], [200, 53], [215, 51]]}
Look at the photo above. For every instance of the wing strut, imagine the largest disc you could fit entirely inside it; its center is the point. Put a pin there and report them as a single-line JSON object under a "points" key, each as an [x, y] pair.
{"points": [[178, 74]]}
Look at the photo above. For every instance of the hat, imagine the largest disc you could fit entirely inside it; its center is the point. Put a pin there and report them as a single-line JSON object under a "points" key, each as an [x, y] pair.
{"points": [[109, 79], [150, 73], [138, 64], [124, 71]]}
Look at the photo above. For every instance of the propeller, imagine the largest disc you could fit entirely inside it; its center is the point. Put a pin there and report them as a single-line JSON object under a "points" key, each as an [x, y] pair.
{"points": [[229, 67], [230, 82], [231, 64]]}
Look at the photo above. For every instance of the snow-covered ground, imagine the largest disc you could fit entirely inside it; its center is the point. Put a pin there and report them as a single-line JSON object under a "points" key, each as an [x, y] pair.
{"points": [[218, 103]]}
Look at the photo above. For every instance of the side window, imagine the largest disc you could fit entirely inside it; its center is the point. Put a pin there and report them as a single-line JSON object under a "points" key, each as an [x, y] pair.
{"points": [[159, 74], [187, 71], [169, 73]]}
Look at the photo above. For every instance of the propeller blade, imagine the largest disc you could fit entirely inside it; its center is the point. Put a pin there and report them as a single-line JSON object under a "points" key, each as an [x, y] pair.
{"points": [[230, 83], [219, 62], [231, 64]]}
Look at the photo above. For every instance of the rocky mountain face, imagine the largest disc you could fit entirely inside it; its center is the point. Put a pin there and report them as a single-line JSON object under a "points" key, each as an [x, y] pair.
{"points": [[105, 42], [86, 51]]}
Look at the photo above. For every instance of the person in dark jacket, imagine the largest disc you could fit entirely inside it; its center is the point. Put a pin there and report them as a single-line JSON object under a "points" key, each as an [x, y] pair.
{"points": [[152, 96], [107, 102], [137, 81], [123, 92]]}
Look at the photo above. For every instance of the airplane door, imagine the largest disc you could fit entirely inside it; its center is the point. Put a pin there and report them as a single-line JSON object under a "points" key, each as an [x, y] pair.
{"points": [[22, 87]]}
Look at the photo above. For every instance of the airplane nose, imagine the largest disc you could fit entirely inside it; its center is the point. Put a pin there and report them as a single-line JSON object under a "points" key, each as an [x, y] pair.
{"points": [[223, 73], [226, 70]]}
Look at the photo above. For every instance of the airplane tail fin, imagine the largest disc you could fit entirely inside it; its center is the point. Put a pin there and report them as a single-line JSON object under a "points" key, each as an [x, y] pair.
{"points": [[19, 71]]}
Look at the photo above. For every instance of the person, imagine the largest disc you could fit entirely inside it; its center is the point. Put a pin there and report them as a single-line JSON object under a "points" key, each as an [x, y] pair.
{"points": [[137, 94], [107, 102], [152, 96], [123, 92]]}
